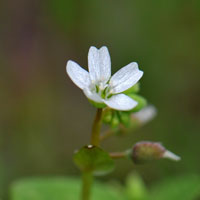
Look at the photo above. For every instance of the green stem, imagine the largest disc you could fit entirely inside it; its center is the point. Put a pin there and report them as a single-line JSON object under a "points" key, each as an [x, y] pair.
{"points": [[95, 137], [87, 177], [117, 155], [87, 180]]}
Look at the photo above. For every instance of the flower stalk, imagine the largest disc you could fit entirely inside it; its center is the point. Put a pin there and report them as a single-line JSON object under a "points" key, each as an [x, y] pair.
{"points": [[117, 155], [87, 179], [95, 136]]}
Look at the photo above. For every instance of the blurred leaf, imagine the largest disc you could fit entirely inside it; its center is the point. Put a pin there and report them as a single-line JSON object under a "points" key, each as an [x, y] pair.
{"points": [[59, 189], [91, 158], [183, 188], [135, 188], [133, 89], [2, 176], [142, 102]]}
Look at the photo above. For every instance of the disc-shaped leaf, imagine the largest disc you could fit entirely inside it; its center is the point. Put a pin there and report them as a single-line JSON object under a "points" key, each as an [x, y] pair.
{"points": [[95, 159]]}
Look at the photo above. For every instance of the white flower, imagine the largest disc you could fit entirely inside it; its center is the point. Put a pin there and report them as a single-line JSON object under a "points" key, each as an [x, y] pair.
{"points": [[98, 84]]}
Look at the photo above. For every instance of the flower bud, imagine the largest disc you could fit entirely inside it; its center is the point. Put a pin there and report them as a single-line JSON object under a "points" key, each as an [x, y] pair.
{"points": [[147, 151]]}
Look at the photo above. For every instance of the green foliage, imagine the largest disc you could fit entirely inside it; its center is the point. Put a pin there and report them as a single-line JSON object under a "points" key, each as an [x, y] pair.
{"points": [[133, 89], [115, 118], [175, 188], [142, 102], [111, 118], [131, 92], [135, 188], [91, 158], [59, 189], [183, 188]]}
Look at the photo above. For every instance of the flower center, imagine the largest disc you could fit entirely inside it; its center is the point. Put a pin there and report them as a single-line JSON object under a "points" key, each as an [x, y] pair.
{"points": [[103, 90]]}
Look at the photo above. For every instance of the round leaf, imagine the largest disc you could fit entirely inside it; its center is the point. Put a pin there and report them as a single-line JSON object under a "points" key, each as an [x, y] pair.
{"points": [[92, 158]]}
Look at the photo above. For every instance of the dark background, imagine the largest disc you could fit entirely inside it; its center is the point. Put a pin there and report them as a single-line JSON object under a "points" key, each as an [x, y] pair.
{"points": [[44, 117]]}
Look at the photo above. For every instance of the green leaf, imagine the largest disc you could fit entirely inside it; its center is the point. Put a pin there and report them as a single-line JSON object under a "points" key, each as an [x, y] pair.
{"points": [[135, 188], [133, 89], [92, 158], [59, 189], [184, 188], [142, 102]]}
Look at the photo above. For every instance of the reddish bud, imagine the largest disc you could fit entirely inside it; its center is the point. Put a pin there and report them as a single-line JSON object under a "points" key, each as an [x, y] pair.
{"points": [[146, 151]]}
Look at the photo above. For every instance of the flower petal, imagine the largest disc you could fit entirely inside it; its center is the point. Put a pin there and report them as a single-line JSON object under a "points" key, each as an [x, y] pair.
{"points": [[125, 78], [78, 75], [92, 96], [146, 114], [120, 102], [99, 64]]}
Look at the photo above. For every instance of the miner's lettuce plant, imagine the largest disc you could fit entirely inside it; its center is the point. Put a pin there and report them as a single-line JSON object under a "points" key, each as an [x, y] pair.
{"points": [[116, 101], [122, 110]]}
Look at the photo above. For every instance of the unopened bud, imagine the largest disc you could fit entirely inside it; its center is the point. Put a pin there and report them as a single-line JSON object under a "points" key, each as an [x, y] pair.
{"points": [[147, 151]]}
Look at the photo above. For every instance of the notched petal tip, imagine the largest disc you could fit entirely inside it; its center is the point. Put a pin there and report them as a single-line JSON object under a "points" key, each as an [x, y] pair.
{"points": [[92, 49], [104, 48], [99, 64], [95, 48]]}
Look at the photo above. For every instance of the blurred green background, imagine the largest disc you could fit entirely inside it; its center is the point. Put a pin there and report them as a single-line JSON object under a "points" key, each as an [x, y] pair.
{"points": [[44, 117]]}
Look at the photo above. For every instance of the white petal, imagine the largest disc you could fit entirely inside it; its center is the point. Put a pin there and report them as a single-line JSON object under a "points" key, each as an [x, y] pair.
{"points": [[146, 114], [99, 64], [125, 78], [92, 96], [78, 75], [120, 102], [170, 155]]}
